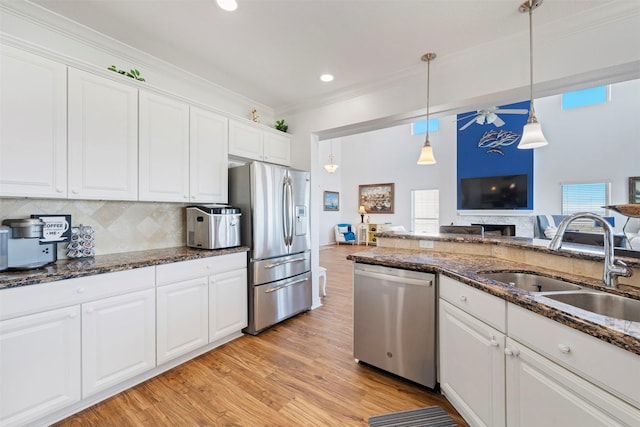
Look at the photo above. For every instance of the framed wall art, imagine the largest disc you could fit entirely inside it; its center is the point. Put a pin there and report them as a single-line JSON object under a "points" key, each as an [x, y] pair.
{"points": [[331, 201], [634, 189], [376, 198]]}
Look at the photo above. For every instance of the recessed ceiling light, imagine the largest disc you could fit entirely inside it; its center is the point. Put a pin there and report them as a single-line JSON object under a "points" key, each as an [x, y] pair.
{"points": [[326, 77], [228, 5]]}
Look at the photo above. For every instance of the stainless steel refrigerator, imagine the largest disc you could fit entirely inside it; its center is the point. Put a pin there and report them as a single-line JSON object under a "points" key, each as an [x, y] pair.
{"points": [[274, 201]]}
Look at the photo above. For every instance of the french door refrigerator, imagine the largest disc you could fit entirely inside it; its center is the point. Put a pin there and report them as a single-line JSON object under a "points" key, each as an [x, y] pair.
{"points": [[274, 201]]}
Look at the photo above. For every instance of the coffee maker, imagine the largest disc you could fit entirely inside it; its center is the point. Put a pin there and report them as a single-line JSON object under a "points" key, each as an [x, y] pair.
{"points": [[24, 249]]}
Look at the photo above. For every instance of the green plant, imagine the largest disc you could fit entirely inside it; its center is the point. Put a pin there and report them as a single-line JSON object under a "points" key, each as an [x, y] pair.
{"points": [[133, 73], [281, 125]]}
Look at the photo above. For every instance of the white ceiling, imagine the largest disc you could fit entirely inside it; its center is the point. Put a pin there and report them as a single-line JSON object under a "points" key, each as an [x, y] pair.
{"points": [[273, 51]]}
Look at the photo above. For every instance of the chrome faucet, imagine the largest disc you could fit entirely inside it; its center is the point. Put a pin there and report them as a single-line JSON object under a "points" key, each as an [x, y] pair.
{"points": [[612, 268]]}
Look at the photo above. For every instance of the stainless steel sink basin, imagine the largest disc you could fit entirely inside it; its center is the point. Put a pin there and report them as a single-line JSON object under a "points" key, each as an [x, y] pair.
{"points": [[531, 282], [602, 303]]}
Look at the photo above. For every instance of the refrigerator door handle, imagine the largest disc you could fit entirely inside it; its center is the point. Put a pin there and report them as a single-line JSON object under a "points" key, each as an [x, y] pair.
{"points": [[277, 288], [289, 261], [288, 211]]}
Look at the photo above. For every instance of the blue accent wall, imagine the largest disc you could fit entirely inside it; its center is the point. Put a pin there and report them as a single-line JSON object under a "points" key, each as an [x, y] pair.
{"points": [[488, 150]]}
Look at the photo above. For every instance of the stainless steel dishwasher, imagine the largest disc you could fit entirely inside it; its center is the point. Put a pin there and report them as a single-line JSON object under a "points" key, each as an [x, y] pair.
{"points": [[394, 321]]}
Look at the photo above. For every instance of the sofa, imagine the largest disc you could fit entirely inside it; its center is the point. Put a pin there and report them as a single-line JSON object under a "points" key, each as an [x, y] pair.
{"points": [[544, 230]]}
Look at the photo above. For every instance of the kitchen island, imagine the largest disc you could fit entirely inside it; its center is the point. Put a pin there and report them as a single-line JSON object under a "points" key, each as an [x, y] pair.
{"points": [[508, 356]]}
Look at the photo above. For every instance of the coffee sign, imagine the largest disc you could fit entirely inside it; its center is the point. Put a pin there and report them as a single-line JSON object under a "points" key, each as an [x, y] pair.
{"points": [[57, 228]]}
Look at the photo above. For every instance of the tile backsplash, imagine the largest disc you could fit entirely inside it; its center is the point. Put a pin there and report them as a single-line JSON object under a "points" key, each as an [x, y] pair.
{"points": [[119, 226]]}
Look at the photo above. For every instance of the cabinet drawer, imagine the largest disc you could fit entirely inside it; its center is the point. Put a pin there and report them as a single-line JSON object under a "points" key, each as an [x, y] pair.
{"points": [[489, 309], [34, 298], [606, 365], [184, 270]]}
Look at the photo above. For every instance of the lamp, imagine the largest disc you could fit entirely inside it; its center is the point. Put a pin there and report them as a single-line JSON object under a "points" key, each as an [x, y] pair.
{"points": [[426, 154], [331, 167], [532, 136], [362, 213]]}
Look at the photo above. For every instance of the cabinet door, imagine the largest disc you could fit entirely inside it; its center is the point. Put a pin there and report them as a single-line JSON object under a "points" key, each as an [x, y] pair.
{"points": [[164, 149], [209, 159], [541, 393], [118, 339], [245, 141], [103, 138], [39, 364], [33, 126], [183, 318], [472, 366], [227, 303], [277, 149]]}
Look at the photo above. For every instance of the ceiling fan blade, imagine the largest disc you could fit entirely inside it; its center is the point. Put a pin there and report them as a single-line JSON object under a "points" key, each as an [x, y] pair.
{"points": [[498, 122], [468, 116], [512, 111], [469, 123]]}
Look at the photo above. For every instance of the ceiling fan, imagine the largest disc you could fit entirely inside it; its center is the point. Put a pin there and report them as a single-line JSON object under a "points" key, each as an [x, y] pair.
{"points": [[489, 115]]}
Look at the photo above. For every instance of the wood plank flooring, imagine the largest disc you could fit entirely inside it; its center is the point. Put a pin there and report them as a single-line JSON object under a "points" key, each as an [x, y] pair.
{"points": [[299, 373]]}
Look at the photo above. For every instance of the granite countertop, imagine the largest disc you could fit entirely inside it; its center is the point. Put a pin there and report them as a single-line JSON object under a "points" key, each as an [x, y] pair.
{"points": [[81, 267], [570, 250], [466, 268]]}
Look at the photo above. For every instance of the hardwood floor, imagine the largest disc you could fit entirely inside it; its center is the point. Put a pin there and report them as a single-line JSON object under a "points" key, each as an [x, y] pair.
{"points": [[299, 373]]}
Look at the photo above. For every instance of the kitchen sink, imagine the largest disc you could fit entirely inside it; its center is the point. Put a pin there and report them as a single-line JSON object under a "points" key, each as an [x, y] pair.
{"points": [[531, 282], [601, 303]]}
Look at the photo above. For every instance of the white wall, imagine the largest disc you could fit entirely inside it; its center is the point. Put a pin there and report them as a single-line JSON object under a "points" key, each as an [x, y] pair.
{"points": [[589, 144]]}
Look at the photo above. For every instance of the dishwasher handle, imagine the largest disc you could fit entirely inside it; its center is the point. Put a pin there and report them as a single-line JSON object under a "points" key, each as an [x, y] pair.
{"points": [[397, 279]]}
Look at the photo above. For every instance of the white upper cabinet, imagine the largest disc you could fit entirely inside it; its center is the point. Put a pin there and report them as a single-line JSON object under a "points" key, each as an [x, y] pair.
{"points": [[245, 141], [103, 138], [164, 149], [33, 126], [251, 142], [208, 156], [277, 148]]}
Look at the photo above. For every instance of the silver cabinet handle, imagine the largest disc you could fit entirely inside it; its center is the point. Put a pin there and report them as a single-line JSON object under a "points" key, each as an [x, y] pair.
{"points": [[277, 288], [289, 261]]}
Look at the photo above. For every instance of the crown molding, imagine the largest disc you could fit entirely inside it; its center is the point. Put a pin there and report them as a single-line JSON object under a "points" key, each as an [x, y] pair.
{"points": [[83, 35]]}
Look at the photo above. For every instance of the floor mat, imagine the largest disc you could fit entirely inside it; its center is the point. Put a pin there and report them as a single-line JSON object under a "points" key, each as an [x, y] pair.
{"points": [[433, 416]]}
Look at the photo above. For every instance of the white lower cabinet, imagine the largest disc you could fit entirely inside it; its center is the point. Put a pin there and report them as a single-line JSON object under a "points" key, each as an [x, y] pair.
{"points": [[472, 366], [223, 311], [541, 393], [183, 316], [227, 303], [561, 377], [118, 339], [39, 364]]}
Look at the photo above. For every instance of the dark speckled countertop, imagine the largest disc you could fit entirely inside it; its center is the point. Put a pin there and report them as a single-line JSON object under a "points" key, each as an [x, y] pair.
{"points": [[81, 267], [466, 268]]}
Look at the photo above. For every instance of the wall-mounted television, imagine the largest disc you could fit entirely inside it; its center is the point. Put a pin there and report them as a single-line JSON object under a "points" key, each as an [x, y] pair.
{"points": [[494, 192]]}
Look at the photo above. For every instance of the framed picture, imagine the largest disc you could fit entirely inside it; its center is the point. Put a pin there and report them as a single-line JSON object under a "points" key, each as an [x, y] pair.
{"points": [[634, 189], [331, 201], [376, 198]]}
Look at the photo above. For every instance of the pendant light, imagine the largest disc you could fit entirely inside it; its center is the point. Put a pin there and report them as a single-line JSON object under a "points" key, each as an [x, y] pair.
{"points": [[426, 154], [532, 136], [331, 167]]}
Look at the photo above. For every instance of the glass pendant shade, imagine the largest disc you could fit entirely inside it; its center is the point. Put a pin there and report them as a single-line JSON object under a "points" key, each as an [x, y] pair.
{"points": [[330, 167], [426, 155], [532, 136]]}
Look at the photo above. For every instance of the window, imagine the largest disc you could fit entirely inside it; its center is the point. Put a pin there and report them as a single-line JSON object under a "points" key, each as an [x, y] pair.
{"points": [[581, 98], [585, 197], [425, 208], [420, 127]]}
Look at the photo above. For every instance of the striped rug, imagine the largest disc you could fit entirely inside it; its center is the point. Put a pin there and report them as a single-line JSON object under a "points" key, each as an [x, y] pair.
{"points": [[433, 416]]}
